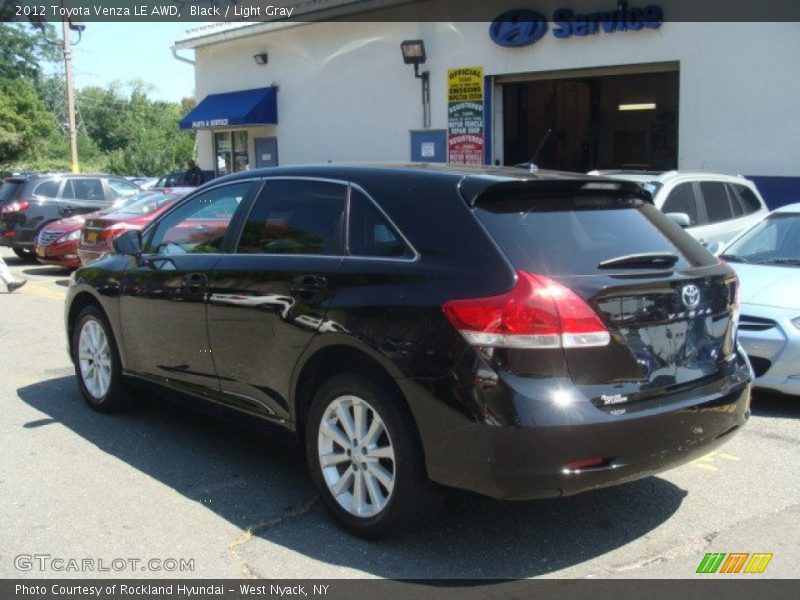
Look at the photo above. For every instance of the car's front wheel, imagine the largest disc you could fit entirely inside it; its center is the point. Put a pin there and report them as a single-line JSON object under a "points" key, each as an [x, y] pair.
{"points": [[365, 458], [26, 254], [97, 364]]}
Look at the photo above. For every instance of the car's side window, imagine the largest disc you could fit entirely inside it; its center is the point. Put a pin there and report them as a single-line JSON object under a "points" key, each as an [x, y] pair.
{"points": [[370, 233], [200, 224], [68, 193], [682, 199], [88, 189], [715, 197], [747, 197], [48, 189], [121, 189], [296, 217]]}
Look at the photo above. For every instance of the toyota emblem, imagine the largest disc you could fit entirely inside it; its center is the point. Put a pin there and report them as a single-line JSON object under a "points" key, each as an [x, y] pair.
{"points": [[690, 296]]}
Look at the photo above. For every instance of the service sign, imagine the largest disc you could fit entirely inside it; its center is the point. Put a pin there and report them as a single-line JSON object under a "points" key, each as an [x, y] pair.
{"points": [[465, 136]]}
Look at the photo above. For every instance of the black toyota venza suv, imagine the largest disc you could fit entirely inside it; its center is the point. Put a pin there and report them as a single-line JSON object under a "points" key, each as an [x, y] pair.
{"points": [[521, 335]]}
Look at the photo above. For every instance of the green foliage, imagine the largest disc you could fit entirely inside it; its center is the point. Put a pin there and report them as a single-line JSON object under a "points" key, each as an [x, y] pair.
{"points": [[23, 50], [126, 132], [24, 120], [137, 134]]}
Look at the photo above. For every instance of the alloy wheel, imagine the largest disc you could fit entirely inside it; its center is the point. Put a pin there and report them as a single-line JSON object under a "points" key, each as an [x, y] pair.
{"points": [[356, 456], [94, 358]]}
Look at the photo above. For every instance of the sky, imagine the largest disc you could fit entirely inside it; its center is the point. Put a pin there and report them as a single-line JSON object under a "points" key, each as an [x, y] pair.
{"points": [[126, 51]]}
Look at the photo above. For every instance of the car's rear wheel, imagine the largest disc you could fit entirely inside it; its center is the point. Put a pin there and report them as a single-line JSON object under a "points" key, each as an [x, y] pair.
{"points": [[365, 458], [97, 364], [26, 254]]}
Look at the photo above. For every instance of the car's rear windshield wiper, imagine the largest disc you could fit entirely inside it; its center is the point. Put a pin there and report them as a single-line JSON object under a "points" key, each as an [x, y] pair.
{"points": [[780, 261], [643, 260]]}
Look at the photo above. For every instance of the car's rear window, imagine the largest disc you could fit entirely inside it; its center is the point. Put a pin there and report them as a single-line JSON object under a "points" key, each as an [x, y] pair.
{"points": [[572, 235], [7, 189]]}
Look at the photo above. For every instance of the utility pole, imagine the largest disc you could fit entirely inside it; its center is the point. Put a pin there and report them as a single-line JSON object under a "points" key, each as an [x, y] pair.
{"points": [[66, 47], [73, 132]]}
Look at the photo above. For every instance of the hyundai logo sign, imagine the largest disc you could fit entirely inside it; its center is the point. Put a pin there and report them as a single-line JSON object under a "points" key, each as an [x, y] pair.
{"points": [[523, 27], [518, 27]]}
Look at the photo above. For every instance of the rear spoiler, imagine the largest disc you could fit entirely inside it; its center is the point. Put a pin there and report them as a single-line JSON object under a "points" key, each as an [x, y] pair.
{"points": [[483, 190]]}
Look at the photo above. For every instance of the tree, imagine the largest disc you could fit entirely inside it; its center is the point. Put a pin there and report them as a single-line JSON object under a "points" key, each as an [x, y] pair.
{"points": [[23, 50], [24, 120]]}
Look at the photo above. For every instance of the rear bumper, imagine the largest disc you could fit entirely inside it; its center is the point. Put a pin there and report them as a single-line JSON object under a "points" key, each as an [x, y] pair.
{"points": [[20, 238], [532, 458]]}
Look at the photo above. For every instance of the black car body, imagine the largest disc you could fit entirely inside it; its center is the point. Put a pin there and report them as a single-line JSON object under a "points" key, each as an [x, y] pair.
{"points": [[32, 201], [536, 334]]}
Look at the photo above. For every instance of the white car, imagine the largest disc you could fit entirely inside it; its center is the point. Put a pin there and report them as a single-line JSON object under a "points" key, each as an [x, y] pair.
{"points": [[711, 207], [767, 260]]}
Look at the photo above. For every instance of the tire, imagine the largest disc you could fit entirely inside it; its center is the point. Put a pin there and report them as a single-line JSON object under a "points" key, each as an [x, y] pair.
{"points": [[395, 494], [26, 254], [102, 386]]}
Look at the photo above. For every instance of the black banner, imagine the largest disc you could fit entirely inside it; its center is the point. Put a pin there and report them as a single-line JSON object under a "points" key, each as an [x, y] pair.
{"points": [[244, 11], [343, 589]]}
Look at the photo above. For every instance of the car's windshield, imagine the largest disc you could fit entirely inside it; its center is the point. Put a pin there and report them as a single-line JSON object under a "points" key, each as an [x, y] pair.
{"points": [[775, 240]]}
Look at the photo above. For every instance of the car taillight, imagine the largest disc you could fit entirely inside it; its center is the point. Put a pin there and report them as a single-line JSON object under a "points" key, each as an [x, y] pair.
{"points": [[16, 206], [115, 230], [536, 313]]}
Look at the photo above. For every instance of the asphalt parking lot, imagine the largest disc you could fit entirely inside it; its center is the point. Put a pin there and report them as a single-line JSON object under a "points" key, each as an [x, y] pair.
{"points": [[163, 483]]}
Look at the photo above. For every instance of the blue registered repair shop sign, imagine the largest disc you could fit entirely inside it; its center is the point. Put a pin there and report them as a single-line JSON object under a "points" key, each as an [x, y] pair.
{"points": [[518, 27]]}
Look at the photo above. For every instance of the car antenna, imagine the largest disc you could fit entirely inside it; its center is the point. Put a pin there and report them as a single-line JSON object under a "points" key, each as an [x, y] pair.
{"points": [[539, 148]]}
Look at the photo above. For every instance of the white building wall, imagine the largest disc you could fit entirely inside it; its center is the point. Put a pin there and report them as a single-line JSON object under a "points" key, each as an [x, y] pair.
{"points": [[345, 93]]}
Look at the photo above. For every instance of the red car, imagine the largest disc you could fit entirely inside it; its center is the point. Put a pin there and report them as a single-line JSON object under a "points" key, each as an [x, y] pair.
{"points": [[57, 243], [99, 230]]}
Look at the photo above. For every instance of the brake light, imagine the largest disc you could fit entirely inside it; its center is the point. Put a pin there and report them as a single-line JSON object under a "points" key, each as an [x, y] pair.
{"points": [[116, 229], [16, 206], [536, 313]]}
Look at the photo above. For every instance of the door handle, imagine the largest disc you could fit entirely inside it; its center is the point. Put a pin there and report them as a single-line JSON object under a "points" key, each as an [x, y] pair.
{"points": [[195, 282]]}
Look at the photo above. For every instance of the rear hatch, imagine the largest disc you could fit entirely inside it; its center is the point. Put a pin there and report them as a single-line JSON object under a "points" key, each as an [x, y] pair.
{"points": [[8, 191], [667, 304]]}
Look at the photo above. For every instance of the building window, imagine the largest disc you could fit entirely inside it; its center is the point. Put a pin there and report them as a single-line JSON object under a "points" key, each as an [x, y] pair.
{"points": [[230, 150]]}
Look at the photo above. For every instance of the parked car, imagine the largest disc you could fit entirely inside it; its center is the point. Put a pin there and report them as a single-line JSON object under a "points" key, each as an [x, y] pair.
{"points": [[767, 259], [170, 180], [99, 230], [711, 207], [37, 200], [517, 335], [57, 243], [145, 183]]}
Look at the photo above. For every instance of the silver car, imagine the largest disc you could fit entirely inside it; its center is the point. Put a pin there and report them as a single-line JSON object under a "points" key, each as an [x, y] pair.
{"points": [[767, 259], [712, 207]]}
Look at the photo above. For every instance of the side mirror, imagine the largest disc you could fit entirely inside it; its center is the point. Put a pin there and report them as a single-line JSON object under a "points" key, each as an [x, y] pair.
{"points": [[715, 248], [129, 243], [681, 219]]}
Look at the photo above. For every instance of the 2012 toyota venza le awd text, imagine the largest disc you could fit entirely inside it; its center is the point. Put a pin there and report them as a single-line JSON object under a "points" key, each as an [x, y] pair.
{"points": [[521, 335]]}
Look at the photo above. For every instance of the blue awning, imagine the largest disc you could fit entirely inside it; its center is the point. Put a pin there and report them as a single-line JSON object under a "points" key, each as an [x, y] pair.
{"points": [[246, 107]]}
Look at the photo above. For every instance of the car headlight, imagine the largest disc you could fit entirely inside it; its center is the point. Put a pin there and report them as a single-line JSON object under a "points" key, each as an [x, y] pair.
{"points": [[72, 235], [796, 322]]}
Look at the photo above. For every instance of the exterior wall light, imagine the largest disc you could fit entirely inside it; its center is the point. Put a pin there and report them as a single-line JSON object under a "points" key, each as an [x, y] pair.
{"points": [[261, 59], [414, 54]]}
